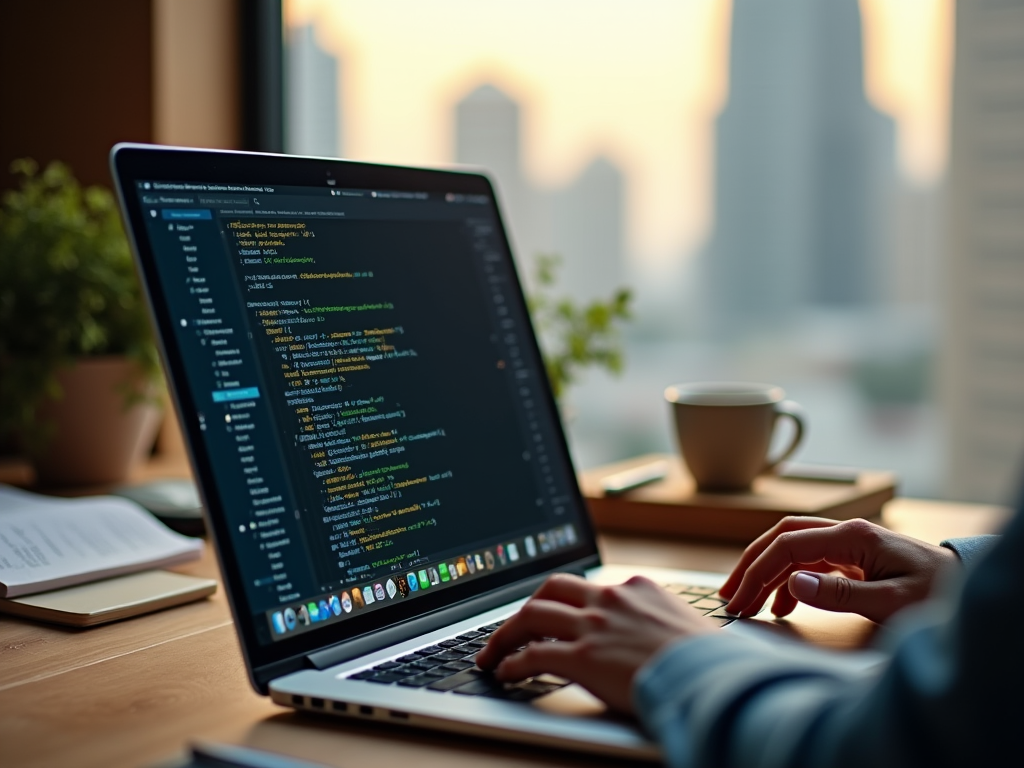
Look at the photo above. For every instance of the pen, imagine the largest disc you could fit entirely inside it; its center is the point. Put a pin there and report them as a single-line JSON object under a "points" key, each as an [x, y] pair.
{"points": [[821, 473], [210, 755], [628, 479]]}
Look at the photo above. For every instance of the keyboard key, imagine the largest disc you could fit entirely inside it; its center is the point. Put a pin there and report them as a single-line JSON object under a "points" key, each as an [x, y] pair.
{"points": [[484, 686], [515, 694], [430, 650], [468, 636], [477, 644], [525, 691], [701, 590], [708, 604], [387, 665], [448, 643], [455, 666], [362, 675], [447, 656], [421, 664], [459, 678], [384, 677], [465, 649], [410, 658], [418, 681], [540, 688]]}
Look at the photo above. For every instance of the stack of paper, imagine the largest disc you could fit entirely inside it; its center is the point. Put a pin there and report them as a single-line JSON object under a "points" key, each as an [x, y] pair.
{"points": [[47, 543]]}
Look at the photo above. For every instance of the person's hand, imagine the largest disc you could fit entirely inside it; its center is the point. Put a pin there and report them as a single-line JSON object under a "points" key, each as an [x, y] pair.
{"points": [[853, 566], [596, 636]]}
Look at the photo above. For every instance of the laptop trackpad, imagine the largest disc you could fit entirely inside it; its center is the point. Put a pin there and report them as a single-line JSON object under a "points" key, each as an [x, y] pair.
{"points": [[574, 700]]}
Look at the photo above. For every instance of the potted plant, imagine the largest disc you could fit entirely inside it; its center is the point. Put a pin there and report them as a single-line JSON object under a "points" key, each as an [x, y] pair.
{"points": [[574, 337], [79, 374]]}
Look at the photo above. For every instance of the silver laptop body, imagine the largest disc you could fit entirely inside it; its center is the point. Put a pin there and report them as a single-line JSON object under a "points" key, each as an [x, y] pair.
{"points": [[372, 431]]}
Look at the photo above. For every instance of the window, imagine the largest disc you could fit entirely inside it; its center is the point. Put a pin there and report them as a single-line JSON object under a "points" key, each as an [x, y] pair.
{"points": [[769, 178]]}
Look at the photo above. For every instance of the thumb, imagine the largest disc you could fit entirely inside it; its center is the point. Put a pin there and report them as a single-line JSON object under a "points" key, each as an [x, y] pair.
{"points": [[831, 592]]}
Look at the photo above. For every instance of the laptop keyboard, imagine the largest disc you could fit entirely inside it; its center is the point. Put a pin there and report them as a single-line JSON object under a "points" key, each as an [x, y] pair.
{"points": [[449, 666], [704, 599]]}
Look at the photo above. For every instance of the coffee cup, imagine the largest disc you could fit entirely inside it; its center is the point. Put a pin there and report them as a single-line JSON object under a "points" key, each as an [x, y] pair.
{"points": [[724, 431]]}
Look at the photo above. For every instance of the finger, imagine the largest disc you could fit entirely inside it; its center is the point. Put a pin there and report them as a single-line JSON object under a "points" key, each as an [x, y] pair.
{"points": [[784, 603], [557, 658], [875, 600], [761, 543], [569, 589], [838, 545], [755, 605], [536, 619]]}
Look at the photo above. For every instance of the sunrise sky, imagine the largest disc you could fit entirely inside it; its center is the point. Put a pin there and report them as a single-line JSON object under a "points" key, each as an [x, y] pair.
{"points": [[640, 82]]}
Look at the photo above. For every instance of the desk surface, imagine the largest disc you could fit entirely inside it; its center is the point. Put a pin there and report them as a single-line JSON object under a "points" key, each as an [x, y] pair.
{"points": [[136, 692]]}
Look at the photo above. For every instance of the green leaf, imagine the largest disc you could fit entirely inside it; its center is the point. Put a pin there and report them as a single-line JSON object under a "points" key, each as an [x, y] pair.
{"points": [[68, 287], [572, 337]]}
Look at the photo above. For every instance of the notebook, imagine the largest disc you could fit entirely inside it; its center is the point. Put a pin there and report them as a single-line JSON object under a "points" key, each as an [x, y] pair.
{"points": [[384, 471]]}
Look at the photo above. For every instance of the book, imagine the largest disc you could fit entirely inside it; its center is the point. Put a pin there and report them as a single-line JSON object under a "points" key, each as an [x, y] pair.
{"points": [[48, 543], [673, 506], [120, 597]]}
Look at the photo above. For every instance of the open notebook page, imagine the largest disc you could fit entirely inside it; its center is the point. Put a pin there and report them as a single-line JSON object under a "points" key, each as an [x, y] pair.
{"points": [[48, 543]]}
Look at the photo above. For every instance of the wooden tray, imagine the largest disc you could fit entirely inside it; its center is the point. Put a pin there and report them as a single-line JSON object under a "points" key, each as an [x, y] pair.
{"points": [[674, 507]]}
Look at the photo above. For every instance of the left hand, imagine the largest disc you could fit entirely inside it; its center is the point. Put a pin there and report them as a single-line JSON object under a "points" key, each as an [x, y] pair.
{"points": [[602, 636], [853, 566]]}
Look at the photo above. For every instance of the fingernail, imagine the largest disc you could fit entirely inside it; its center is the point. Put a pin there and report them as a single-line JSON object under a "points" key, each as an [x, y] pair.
{"points": [[805, 586]]}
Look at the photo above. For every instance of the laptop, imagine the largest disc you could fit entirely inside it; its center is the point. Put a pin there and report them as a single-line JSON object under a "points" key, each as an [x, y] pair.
{"points": [[376, 444]]}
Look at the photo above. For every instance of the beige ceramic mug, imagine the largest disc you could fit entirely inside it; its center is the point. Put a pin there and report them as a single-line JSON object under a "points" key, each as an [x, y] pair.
{"points": [[724, 431]]}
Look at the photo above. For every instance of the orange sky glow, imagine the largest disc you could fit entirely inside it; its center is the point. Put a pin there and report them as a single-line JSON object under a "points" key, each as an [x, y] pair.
{"points": [[640, 82]]}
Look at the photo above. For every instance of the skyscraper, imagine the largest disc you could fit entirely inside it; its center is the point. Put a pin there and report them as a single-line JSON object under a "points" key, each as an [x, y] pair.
{"points": [[487, 135], [584, 222], [982, 352], [588, 231], [804, 166], [311, 90]]}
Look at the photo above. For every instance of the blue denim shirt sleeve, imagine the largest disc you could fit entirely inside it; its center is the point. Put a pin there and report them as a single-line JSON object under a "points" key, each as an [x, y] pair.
{"points": [[940, 700], [970, 548]]}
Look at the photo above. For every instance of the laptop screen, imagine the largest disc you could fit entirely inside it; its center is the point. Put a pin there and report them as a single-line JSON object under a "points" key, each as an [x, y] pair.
{"points": [[366, 385]]}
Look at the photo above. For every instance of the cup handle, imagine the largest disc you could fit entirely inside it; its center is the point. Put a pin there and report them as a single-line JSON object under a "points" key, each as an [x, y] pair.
{"points": [[796, 413]]}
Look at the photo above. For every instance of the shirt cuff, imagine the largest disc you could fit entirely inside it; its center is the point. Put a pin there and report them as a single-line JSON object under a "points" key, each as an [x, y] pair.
{"points": [[970, 548], [663, 689]]}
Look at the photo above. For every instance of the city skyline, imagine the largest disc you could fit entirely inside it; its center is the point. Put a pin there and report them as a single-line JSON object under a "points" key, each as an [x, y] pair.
{"points": [[650, 108], [583, 221], [805, 175], [572, 152]]}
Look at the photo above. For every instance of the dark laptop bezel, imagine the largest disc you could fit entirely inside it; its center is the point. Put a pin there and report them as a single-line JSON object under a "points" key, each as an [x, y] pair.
{"points": [[138, 162]]}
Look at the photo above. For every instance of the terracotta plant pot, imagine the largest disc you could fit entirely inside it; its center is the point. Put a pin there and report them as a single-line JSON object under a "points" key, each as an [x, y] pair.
{"points": [[97, 436]]}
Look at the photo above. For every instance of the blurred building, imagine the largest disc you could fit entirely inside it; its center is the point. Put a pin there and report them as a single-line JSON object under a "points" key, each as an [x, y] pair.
{"points": [[982, 371], [584, 222], [312, 124], [487, 135], [804, 168], [588, 231]]}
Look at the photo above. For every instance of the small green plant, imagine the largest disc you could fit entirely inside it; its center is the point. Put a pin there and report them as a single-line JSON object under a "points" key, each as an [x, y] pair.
{"points": [[575, 337], [68, 289]]}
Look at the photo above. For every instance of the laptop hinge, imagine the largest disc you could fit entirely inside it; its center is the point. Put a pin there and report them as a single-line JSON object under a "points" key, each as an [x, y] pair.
{"points": [[360, 646]]}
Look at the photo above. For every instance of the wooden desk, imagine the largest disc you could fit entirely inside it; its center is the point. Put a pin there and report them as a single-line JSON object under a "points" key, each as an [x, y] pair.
{"points": [[136, 692]]}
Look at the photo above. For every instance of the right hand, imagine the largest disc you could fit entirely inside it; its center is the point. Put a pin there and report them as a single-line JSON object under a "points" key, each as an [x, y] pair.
{"points": [[852, 566]]}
